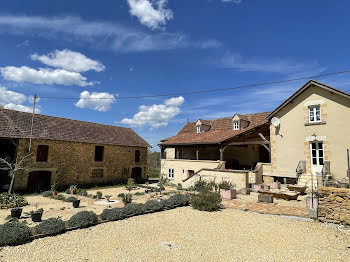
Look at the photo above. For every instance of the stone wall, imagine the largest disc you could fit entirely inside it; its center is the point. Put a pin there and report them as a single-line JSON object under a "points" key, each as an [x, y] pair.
{"points": [[73, 162], [238, 177], [334, 205]]}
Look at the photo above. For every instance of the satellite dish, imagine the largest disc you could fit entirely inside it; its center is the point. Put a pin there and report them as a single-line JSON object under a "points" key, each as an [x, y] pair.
{"points": [[275, 121]]}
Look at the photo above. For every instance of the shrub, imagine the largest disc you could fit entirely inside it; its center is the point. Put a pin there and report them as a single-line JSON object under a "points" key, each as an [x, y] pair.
{"points": [[177, 200], [113, 214], [59, 197], [99, 194], [152, 206], [121, 195], [47, 193], [70, 199], [204, 185], [133, 209], [50, 226], [127, 199], [179, 186], [14, 232], [67, 191], [83, 219], [139, 194], [206, 201], [226, 185], [12, 200], [83, 192]]}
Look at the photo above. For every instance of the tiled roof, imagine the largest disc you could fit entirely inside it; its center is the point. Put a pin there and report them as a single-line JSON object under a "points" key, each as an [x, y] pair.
{"points": [[221, 130], [15, 124]]}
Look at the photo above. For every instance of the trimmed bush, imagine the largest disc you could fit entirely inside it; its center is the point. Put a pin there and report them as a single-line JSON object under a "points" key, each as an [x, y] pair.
{"points": [[152, 206], [14, 232], [83, 192], [50, 226], [47, 193], [206, 201], [113, 214], [70, 199], [177, 200], [133, 209], [83, 219]]}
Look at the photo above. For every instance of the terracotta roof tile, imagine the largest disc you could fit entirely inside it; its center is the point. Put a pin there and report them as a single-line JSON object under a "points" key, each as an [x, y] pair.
{"points": [[15, 124], [221, 130]]}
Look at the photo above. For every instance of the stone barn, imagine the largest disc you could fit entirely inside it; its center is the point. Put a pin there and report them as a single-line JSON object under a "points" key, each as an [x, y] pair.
{"points": [[68, 152]]}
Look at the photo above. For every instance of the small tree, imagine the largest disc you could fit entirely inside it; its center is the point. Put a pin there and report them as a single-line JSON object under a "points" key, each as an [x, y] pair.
{"points": [[130, 185], [20, 164]]}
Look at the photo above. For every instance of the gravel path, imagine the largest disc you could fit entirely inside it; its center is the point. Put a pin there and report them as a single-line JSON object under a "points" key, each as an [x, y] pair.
{"points": [[185, 234]]}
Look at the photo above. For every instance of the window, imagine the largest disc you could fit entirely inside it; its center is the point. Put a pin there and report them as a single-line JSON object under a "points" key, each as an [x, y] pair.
{"points": [[137, 155], [97, 173], [314, 114], [42, 153], [317, 154], [199, 129], [99, 153], [171, 173], [235, 125]]}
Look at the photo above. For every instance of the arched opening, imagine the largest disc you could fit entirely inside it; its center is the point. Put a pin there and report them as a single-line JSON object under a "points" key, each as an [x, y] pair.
{"points": [[39, 181], [136, 173]]}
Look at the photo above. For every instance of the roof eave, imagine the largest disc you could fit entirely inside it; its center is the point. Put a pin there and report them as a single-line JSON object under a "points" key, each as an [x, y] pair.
{"points": [[302, 89]]}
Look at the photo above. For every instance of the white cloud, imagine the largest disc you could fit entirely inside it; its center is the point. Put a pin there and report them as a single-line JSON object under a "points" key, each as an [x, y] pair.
{"points": [[151, 14], [7, 96], [96, 101], [14, 100], [269, 65], [69, 60], [20, 108], [115, 36], [43, 76], [156, 115]]}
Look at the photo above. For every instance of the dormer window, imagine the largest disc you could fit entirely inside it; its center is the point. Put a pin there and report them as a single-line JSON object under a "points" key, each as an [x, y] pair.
{"points": [[199, 129], [235, 125], [314, 114]]}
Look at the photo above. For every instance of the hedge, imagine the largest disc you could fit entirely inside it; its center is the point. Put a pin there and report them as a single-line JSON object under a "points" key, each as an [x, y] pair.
{"points": [[83, 219], [152, 206], [113, 214], [50, 226], [14, 232]]}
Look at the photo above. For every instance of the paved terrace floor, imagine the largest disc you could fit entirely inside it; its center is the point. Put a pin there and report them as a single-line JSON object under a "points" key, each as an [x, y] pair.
{"points": [[279, 207]]}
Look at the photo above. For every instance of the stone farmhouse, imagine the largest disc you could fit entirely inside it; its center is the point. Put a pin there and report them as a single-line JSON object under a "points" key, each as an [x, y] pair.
{"points": [[304, 141], [68, 152]]}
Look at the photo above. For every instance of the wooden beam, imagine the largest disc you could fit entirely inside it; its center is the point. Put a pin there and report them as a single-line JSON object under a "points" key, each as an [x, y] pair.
{"points": [[267, 148], [250, 143], [197, 153], [262, 137]]}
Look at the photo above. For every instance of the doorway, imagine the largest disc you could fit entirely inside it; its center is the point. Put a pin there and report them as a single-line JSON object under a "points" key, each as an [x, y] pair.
{"points": [[136, 173], [317, 157], [39, 181]]}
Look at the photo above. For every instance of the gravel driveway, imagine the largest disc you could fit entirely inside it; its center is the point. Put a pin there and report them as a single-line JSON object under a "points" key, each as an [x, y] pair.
{"points": [[184, 234]]}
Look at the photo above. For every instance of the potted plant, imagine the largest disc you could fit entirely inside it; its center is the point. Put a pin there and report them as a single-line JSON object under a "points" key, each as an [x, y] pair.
{"points": [[227, 190], [76, 203], [37, 214], [54, 188], [16, 212], [73, 189]]}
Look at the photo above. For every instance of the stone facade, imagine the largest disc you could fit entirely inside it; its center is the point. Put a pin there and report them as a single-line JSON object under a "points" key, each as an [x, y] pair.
{"points": [[73, 162], [334, 205]]}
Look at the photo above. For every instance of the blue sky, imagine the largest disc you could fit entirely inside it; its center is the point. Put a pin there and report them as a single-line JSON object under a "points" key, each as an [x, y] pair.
{"points": [[110, 49]]}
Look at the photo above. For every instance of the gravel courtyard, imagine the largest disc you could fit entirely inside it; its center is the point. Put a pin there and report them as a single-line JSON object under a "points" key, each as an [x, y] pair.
{"points": [[184, 234]]}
